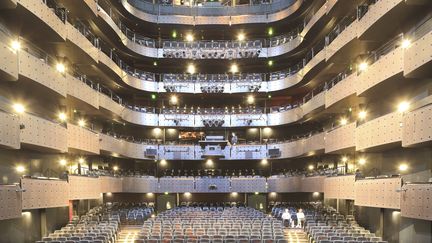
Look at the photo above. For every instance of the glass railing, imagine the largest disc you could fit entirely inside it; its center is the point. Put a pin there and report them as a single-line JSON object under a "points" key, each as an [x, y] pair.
{"points": [[58, 10], [211, 8]]}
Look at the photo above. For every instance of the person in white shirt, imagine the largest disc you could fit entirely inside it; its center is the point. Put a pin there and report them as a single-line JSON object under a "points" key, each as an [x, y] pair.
{"points": [[300, 218], [286, 216]]}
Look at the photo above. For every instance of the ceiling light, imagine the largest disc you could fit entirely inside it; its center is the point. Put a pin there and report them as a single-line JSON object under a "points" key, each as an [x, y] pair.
{"points": [[187, 194], [81, 160], [209, 162], [310, 167], [403, 167], [234, 68], [264, 162], [189, 37], [241, 37], [191, 69], [250, 99], [62, 116], [174, 34], [18, 108], [406, 43], [256, 193], [20, 169], [115, 168], [16, 45], [155, 63], [174, 100], [81, 123], [362, 161], [362, 115], [343, 121], [270, 31], [234, 194], [163, 162], [344, 159], [403, 106], [363, 66], [62, 162], [270, 63], [60, 67], [153, 96]]}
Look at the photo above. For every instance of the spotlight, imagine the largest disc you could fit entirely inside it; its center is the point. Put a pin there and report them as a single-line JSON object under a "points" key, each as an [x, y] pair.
{"points": [[310, 167], [187, 194], [189, 37], [343, 121], [406, 43], [81, 160], [174, 34], [250, 99], [81, 123], [20, 169], [62, 116], [403, 167], [174, 100], [234, 68], [270, 63], [18, 108], [344, 159], [241, 37], [153, 96], [270, 31], [191, 69], [234, 194], [362, 161], [403, 106], [115, 168], [209, 162], [109, 194], [363, 66], [61, 67], [256, 193], [62, 162], [163, 162], [264, 162], [155, 63], [16, 45], [166, 193], [362, 115]]}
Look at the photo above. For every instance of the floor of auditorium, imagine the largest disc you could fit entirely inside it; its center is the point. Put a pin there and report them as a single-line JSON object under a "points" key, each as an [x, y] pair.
{"points": [[128, 233]]}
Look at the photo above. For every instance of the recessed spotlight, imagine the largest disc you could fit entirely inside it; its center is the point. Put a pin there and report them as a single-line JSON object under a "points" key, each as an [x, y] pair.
{"points": [[191, 68], [362, 115], [311, 167], [20, 169], [406, 43], [174, 34], [403, 106], [62, 162], [363, 66], [81, 160], [362, 161], [250, 99], [241, 37], [16, 45], [81, 122], [343, 121], [163, 162], [403, 167], [270, 63], [61, 68], [344, 159], [264, 162], [270, 31], [189, 37], [62, 116], [234, 68], [115, 168], [18, 108], [174, 99]]}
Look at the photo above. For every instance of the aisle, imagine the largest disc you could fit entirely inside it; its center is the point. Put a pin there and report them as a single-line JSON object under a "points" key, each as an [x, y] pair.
{"points": [[295, 236]]}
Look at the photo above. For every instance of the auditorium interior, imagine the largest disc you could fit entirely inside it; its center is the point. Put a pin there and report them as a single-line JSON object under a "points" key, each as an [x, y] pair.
{"points": [[215, 121]]}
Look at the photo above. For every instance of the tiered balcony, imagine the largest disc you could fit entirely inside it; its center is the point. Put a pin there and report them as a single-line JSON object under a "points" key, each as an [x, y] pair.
{"points": [[82, 139], [378, 193]]}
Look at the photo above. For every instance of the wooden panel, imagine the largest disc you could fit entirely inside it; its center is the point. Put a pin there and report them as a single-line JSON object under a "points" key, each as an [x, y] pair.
{"points": [[82, 91], [82, 139], [417, 127], [381, 193], [312, 184], [9, 131], [139, 184], [46, 14], [44, 193], [8, 62], [340, 138], [111, 184], [341, 90], [385, 130], [418, 54], [81, 187], [386, 67], [10, 202], [339, 187], [416, 201], [37, 70], [43, 133]]}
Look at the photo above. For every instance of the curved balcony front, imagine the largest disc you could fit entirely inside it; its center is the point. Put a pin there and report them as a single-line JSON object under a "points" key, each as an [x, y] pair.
{"points": [[215, 14]]}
